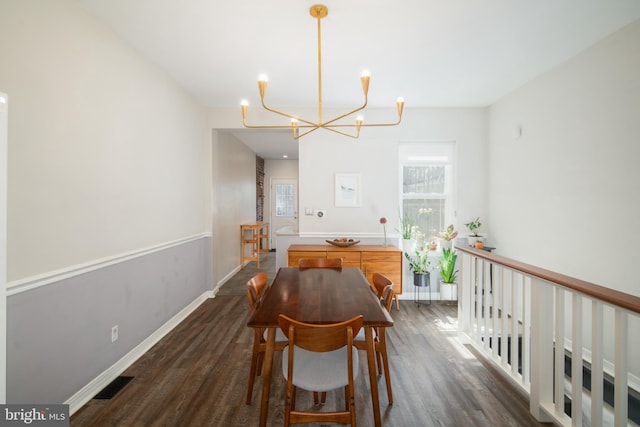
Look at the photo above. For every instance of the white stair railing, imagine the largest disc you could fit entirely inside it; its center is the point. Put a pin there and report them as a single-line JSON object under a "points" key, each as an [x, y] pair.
{"points": [[531, 322]]}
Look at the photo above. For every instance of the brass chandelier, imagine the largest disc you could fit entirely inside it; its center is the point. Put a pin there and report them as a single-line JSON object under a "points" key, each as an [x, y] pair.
{"points": [[319, 11]]}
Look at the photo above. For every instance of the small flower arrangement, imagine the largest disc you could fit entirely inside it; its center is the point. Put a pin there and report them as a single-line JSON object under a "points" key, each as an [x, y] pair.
{"points": [[383, 221]]}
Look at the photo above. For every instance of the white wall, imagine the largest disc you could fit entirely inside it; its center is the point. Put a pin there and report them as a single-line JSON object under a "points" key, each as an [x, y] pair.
{"points": [[4, 111], [108, 195], [566, 195], [234, 200], [106, 153], [375, 157]]}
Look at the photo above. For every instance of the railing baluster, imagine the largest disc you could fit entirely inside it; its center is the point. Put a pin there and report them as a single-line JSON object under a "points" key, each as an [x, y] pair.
{"points": [[495, 318], [559, 351], [597, 394], [526, 331], [505, 318], [576, 361], [621, 381], [486, 302], [541, 387], [514, 324], [478, 301]]}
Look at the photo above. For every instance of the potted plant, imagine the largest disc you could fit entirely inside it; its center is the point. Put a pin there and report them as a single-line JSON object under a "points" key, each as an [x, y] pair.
{"points": [[473, 227], [407, 230], [419, 265], [447, 236], [449, 275]]}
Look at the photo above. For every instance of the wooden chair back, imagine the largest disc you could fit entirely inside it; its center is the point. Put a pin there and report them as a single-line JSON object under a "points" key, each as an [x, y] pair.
{"points": [[320, 338], [255, 287], [380, 282], [320, 263], [387, 297]]}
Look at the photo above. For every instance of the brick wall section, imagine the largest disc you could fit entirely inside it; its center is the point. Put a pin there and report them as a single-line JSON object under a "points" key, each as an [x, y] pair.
{"points": [[259, 189]]}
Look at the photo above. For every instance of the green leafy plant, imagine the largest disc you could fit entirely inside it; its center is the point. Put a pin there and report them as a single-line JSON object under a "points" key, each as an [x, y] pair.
{"points": [[473, 226], [448, 270], [419, 263]]}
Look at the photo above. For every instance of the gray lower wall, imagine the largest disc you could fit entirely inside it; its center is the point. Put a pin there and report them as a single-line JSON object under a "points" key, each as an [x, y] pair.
{"points": [[59, 335]]}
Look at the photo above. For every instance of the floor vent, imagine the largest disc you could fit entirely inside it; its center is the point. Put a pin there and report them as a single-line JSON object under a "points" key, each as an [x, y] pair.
{"points": [[113, 388]]}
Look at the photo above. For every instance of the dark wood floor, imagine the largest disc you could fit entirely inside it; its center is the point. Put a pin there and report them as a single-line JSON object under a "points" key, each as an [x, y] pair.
{"points": [[197, 376]]}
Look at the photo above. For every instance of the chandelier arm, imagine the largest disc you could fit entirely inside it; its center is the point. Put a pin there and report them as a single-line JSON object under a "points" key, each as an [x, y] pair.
{"points": [[307, 132], [362, 107], [382, 124], [332, 129], [367, 124], [290, 116], [266, 126], [351, 125]]}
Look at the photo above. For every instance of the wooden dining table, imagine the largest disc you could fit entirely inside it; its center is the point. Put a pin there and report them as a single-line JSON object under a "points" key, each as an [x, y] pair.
{"points": [[321, 296]]}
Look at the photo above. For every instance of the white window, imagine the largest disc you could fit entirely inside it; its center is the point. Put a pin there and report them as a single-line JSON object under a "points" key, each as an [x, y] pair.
{"points": [[284, 199], [427, 185]]}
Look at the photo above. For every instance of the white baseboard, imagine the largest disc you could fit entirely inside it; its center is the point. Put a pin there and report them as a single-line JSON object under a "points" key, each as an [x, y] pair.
{"points": [[87, 392]]}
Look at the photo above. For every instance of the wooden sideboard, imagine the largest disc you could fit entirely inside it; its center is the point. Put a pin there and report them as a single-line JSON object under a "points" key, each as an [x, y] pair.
{"points": [[370, 259]]}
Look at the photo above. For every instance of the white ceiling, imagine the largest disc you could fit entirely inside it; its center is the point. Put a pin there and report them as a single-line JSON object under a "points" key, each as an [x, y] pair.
{"points": [[434, 53]]}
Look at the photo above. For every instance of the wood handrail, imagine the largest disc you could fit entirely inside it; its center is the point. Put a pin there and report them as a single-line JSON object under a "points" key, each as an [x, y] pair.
{"points": [[608, 295]]}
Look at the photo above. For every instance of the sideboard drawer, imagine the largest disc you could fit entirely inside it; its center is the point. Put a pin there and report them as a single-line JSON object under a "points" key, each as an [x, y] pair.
{"points": [[294, 256], [349, 258]]}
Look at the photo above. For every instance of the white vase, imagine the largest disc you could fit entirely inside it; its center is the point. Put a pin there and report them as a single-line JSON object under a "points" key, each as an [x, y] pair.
{"points": [[448, 291], [408, 245]]}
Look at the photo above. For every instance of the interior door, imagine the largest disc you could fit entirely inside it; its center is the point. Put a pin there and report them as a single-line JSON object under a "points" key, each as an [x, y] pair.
{"points": [[284, 207]]}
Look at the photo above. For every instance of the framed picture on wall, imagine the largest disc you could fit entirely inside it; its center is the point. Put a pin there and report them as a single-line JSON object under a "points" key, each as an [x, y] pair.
{"points": [[347, 190]]}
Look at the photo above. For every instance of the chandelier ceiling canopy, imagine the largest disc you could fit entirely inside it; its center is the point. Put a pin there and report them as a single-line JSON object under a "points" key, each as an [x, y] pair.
{"points": [[307, 126]]}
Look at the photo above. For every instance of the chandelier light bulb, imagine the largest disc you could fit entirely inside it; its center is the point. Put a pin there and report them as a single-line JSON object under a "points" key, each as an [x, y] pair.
{"points": [[244, 106], [263, 78], [365, 73]]}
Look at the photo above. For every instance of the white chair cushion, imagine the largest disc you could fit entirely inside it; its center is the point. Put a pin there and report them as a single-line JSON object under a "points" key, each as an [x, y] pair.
{"points": [[361, 336], [280, 336], [320, 371]]}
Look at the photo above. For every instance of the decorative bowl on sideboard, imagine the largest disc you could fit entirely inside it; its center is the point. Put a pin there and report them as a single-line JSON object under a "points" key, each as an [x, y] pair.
{"points": [[343, 243]]}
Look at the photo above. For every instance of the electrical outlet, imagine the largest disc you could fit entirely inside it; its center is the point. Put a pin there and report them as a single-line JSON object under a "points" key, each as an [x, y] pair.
{"points": [[114, 333]]}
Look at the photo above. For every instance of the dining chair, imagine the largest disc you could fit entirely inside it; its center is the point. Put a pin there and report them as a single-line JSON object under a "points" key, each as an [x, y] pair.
{"points": [[320, 358], [320, 263], [380, 282], [383, 287], [255, 287]]}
